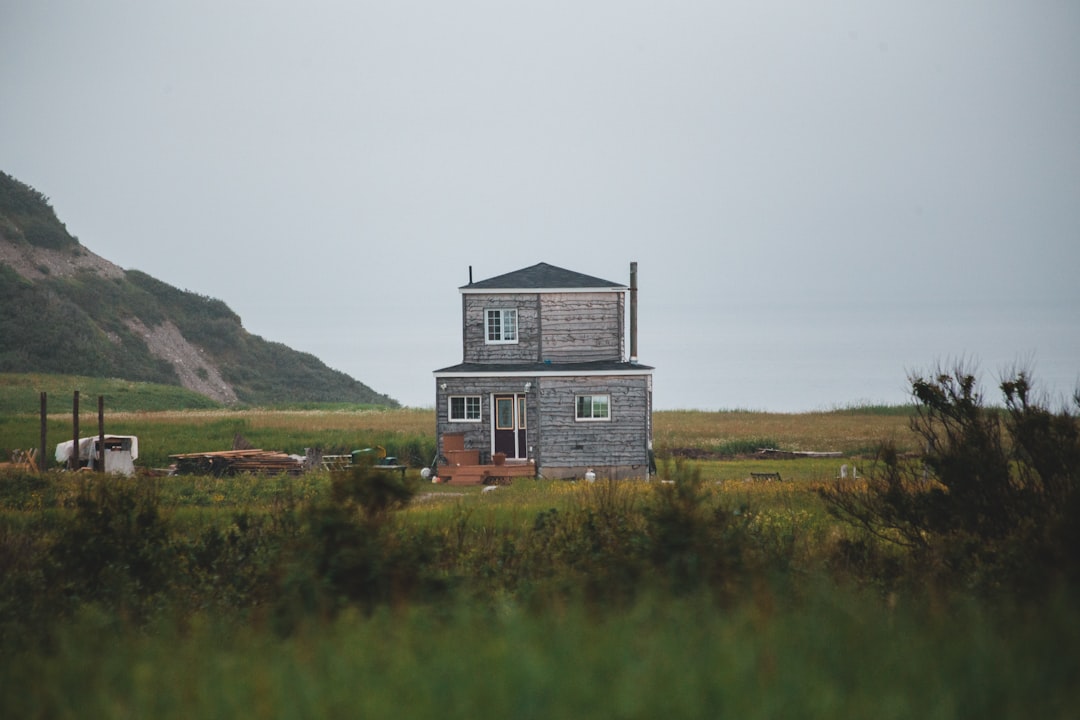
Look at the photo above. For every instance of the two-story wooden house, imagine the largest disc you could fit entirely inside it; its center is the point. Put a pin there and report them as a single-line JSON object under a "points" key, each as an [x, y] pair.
{"points": [[544, 386]]}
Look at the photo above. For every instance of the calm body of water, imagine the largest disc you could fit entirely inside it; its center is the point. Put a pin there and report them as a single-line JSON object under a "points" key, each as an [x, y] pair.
{"points": [[779, 357], [794, 359]]}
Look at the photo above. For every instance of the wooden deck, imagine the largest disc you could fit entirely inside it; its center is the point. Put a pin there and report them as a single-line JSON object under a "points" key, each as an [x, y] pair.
{"points": [[486, 474]]}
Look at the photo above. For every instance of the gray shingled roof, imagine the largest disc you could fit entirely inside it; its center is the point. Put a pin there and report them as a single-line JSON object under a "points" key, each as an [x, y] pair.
{"points": [[541, 276]]}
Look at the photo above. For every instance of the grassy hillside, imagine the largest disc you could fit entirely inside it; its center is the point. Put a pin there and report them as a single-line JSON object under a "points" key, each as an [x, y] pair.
{"points": [[20, 393], [53, 326], [26, 216], [90, 323]]}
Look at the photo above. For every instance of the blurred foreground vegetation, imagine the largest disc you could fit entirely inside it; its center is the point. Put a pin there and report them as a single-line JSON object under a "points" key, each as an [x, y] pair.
{"points": [[698, 594]]}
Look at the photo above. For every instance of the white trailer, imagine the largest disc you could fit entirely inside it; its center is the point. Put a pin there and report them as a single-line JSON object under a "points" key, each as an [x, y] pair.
{"points": [[121, 451]]}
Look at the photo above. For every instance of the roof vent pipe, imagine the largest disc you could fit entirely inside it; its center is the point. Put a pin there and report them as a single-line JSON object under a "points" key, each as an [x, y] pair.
{"points": [[470, 274], [633, 312]]}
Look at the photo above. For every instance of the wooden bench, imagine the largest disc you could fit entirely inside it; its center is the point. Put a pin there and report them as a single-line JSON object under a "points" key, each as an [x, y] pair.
{"points": [[392, 468], [766, 476]]}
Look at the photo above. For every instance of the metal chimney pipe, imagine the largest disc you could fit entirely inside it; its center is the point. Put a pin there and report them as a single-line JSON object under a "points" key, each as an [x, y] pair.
{"points": [[633, 312]]}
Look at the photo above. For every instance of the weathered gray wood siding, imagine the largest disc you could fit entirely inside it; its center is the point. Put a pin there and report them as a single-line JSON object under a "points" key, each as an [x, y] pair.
{"points": [[621, 441], [581, 327], [526, 349], [560, 327], [478, 434]]}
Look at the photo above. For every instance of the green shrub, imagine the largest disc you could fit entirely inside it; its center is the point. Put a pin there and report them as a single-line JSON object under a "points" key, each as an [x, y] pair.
{"points": [[28, 216], [27, 603], [352, 553], [991, 502], [117, 548]]}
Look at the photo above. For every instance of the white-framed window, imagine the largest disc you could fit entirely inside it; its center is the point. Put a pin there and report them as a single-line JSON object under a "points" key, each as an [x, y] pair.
{"points": [[593, 407], [464, 408], [502, 326]]}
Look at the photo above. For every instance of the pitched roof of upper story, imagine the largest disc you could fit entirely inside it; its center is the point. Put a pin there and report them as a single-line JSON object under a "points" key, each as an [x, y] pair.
{"points": [[543, 277]]}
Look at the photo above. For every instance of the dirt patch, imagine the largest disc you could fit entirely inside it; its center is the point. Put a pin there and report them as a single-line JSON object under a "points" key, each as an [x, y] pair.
{"points": [[690, 453], [436, 496], [35, 263], [194, 370]]}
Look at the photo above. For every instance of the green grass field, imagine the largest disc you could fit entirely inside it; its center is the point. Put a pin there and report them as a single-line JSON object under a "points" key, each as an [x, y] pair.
{"points": [[699, 594], [171, 420]]}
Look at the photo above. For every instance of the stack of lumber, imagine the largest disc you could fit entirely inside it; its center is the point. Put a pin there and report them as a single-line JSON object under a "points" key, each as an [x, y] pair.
{"points": [[232, 462]]}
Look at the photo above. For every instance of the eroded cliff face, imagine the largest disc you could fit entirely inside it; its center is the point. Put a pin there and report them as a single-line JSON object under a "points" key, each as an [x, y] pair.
{"points": [[37, 263], [194, 369]]}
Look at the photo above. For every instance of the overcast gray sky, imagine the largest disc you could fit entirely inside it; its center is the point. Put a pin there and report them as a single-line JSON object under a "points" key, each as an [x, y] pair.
{"points": [[331, 170]]}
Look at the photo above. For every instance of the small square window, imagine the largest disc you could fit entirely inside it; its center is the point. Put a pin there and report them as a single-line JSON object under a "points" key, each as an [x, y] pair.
{"points": [[593, 407], [464, 408], [502, 326]]}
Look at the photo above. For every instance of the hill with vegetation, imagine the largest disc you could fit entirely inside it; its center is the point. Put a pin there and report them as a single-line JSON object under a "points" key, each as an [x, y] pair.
{"points": [[68, 311]]}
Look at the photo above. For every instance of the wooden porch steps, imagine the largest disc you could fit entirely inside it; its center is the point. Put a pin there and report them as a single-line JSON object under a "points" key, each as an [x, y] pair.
{"points": [[485, 474]]}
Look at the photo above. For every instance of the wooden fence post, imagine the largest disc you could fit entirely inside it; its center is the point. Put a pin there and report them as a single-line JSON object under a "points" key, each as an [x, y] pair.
{"points": [[43, 459], [101, 433], [73, 458]]}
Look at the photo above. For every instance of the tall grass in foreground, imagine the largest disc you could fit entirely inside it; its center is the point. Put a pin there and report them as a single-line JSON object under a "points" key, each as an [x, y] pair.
{"points": [[837, 655], [269, 598], [700, 594]]}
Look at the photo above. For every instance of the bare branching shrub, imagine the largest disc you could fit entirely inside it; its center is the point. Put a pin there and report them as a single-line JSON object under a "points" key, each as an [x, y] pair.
{"points": [[992, 498]]}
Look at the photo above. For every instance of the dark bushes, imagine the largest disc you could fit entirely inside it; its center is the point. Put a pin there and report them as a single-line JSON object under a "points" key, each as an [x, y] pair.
{"points": [[690, 543], [991, 503], [615, 543], [354, 553], [112, 546], [117, 549]]}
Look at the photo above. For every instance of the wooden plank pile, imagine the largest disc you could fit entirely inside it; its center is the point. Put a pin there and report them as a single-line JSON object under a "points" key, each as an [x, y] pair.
{"points": [[233, 462]]}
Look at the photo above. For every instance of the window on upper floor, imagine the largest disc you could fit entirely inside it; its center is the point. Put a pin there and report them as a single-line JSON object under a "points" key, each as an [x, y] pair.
{"points": [[502, 326], [464, 408], [593, 407]]}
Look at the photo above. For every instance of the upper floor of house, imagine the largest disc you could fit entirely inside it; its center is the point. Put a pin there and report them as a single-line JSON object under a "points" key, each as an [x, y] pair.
{"points": [[543, 314]]}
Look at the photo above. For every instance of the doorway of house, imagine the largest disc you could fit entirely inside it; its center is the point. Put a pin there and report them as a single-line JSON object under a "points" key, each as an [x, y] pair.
{"points": [[510, 432]]}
